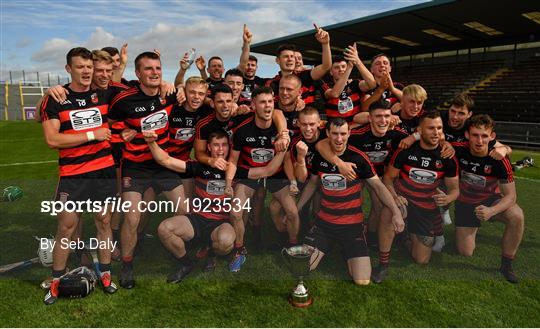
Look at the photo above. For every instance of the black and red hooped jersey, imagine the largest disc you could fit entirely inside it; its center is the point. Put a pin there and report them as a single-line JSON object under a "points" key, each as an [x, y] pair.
{"points": [[409, 125], [347, 105], [250, 85], [141, 113], [378, 149], [117, 127], [291, 118], [341, 199], [256, 145], [209, 185], [480, 176], [308, 89], [211, 123], [311, 148], [421, 172], [182, 130], [81, 112], [387, 94]]}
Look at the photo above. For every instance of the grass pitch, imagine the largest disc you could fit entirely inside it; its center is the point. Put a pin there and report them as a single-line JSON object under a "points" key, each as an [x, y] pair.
{"points": [[452, 291]]}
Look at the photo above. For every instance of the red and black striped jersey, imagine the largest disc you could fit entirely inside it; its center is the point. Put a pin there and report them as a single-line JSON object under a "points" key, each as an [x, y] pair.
{"points": [[480, 176], [311, 148], [256, 145], [211, 123], [182, 130], [209, 185], [347, 105], [141, 113], [409, 125], [117, 127], [211, 84], [387, 94], [81, 112], [291, 117], [250, 85], [341, 199], [378, 149], [308, 86], [421, 172]]}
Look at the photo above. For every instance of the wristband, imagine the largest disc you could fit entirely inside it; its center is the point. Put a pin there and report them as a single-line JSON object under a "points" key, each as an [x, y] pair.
{"points": [[294, 182], [90, 135], [416, 136]]}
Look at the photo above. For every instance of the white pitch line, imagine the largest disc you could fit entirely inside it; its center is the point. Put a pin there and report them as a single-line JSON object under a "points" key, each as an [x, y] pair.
{"points": [[529, 179], [26, 163]]}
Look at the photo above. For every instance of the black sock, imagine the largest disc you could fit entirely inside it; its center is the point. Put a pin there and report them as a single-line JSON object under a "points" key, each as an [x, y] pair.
{"points": [[116, 235], [257, 232], [58, 274], [184, 260], [506, 261], [104, 267]]}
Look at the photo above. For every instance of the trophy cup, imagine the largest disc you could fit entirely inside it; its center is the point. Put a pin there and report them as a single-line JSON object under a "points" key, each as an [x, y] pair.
{"points": [[298, 260]]}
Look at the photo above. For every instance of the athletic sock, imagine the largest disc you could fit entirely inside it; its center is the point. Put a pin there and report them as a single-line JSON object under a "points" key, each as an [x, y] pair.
{"points": [[127, 261], [57, 274], [384, 258], [256, 232], [116, 235], [104, 268], [506, 261], [184, 260]]}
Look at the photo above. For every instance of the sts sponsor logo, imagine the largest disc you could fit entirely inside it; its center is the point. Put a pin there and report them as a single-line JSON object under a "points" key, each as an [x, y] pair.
{"points": [[333, 182], [86, 119], [155, 121], [261, 155], [422, 176], [184, 134], [215, 187]]}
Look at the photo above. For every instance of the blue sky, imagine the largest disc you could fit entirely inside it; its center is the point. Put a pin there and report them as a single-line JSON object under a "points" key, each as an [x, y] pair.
{"points": [[35, 35]]}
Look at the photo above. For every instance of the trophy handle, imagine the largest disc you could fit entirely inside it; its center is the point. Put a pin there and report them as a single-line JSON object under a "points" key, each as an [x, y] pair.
{"points": [[312, 260]]}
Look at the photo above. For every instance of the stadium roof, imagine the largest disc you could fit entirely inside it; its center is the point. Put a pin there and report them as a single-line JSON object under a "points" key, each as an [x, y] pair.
{"points": [[435, 26]]}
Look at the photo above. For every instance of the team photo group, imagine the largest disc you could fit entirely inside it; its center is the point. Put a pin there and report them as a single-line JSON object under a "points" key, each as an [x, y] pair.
{"points": [[228, 148]]}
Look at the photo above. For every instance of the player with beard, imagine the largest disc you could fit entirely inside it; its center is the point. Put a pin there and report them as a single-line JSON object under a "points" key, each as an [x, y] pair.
{"points": [[78, 128], [142, 109], [340, 217], [413, 177], [379, 142], [248, 65], [344, 96], [254, 146], [488, 193], [215, 71]]}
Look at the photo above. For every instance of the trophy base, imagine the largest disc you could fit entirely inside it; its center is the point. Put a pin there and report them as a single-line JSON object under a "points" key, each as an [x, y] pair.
{"points": [[300, 302]]}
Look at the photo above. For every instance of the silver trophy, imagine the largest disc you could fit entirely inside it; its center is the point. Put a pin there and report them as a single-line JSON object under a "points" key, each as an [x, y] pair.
{"points": [[298, 260]]}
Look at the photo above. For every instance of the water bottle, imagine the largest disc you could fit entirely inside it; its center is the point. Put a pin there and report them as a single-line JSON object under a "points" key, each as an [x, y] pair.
{"points": [[191, 56]]}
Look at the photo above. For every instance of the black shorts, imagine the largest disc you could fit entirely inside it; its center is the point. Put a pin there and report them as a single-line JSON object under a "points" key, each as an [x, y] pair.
{"points": [[273, 184], [420, 220], [350, 237], [203, 228], [116, 149], [96, 185], [465, 216], [138, 177]]}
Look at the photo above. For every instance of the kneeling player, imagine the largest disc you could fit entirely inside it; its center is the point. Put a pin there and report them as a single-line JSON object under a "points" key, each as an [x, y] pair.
{"points": [[413, 177], [340, 218], [488, 192], [207, 226]]}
